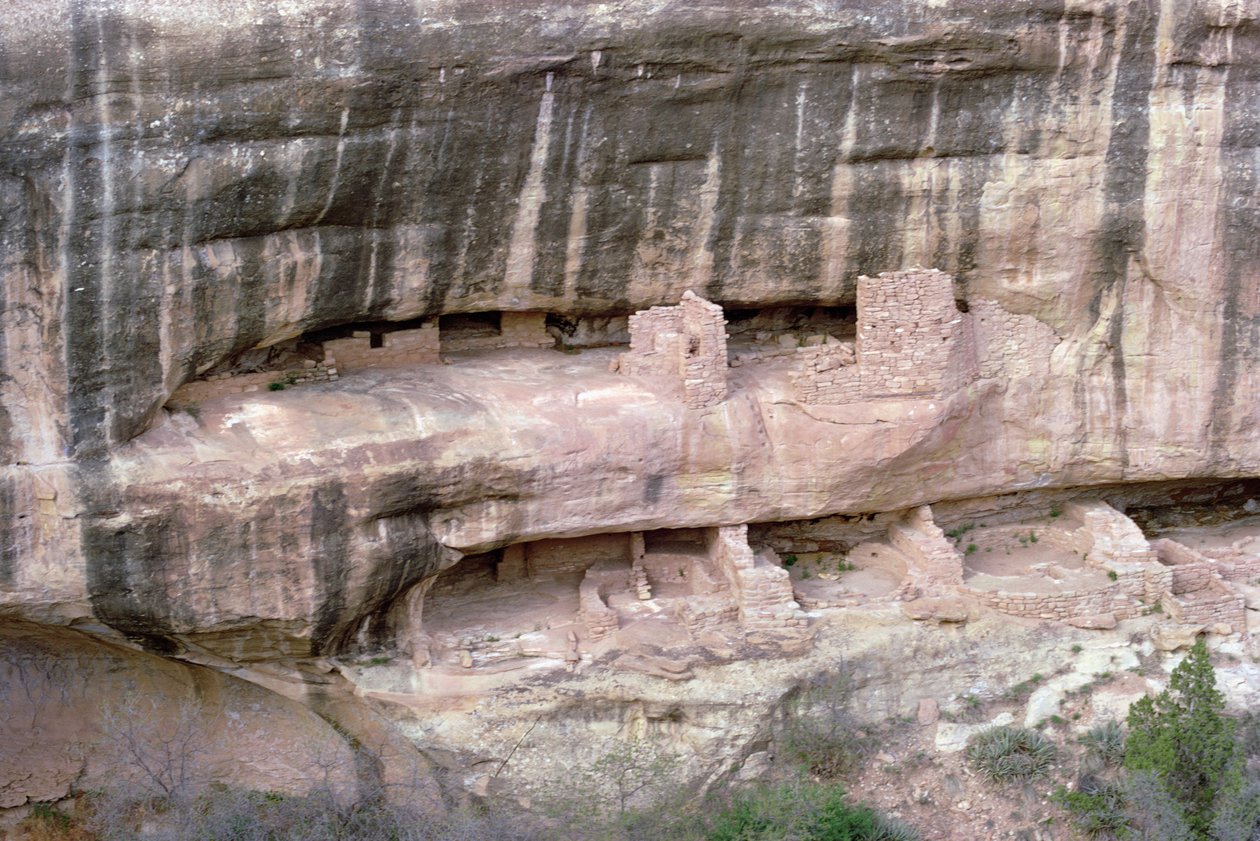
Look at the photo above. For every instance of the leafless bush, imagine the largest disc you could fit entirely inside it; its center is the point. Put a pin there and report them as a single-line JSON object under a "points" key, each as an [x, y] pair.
{"points": [[820, 731]]}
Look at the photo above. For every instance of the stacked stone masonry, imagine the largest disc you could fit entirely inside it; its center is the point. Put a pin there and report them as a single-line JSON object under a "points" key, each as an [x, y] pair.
{"points": [[1009, 345], [933, 563], [516, 330], [682, 346], [760, 585], [401, 347], [1109, 542], [912, 341], [599, 580], [1211, 605], [1196, 594], [217, 385]]}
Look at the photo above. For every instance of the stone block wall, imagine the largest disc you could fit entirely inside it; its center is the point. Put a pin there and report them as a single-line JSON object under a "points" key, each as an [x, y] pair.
{"points": [[600, 579], [1211, 605], [912, 341], [760, 585], [933, 564], [1236, 564], [1190, 570], [1117, 598], [827, 374], [683, 347], [907, 326], [704, 612], [516, 330], [400, 347], [1115, 539], [571, 556]]}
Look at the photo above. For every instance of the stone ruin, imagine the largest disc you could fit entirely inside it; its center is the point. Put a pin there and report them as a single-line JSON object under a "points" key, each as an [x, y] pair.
{"points": [[422, 345], [912, 341], [683, 346], [560, 597]]}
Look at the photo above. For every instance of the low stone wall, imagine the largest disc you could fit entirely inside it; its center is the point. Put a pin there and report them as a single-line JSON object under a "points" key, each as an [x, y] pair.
{"points": [[516, 330], [932, 562], [1235, 563], [400, 347], [844, 600], [1211, 605], [760, 585], [1117, 598], [218, 385], [826, 374], [705, 612], [1190, 570]]}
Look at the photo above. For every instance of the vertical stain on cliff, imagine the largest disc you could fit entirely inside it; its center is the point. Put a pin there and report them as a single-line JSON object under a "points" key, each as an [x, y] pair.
{"points": [[86, 242], [129, 567], [1239, 220], [330, 558], [11, 548], [1121, 235]]}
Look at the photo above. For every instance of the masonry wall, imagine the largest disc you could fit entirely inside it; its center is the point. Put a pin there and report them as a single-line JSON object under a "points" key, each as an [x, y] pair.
{"points": [[1210, 605], [571, 556], [932, 562], [1122, 598], [1009, 345], [1235, 563], [907, 324], [682, 348], [827, 374], [601, 579], [221, 384], [516, 330], [400, 347], [912, 341], [761, 587]]}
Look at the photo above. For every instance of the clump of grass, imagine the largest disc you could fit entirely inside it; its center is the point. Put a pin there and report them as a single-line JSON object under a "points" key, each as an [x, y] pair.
{"points": [[1055, 511], [972, 548], [956, 533], [1104, 744], [276, 386], [1111, 573], [1010, 754]]}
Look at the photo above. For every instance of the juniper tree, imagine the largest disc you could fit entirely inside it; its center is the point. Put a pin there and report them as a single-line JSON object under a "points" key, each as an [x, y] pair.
{"points": [[1183, 741]]}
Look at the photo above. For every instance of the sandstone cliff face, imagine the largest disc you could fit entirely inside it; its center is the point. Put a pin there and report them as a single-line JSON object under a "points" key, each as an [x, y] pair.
{"points": [[181, 184]]}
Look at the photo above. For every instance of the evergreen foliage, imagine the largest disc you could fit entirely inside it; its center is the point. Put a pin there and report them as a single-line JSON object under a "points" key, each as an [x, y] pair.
{"points": [[1184, 742]]}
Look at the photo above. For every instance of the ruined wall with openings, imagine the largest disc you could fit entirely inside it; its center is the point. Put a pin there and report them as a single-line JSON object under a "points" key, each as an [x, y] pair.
{"points": [[514, 330], [397, 347], [683, 347]]}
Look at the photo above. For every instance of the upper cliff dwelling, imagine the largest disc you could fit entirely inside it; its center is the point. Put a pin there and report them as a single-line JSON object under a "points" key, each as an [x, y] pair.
{"points": [[464, 390]]}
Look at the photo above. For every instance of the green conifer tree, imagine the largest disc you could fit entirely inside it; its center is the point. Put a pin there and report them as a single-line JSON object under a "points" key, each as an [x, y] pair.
{"points": [[1183, 740]]}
